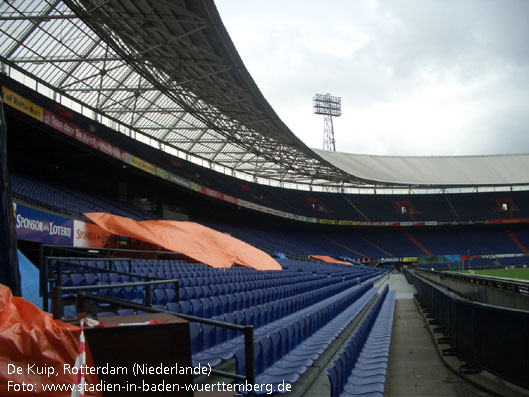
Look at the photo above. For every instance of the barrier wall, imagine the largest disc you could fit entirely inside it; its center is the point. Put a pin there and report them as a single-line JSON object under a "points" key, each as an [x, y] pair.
{"points": [[32, 224], [491, 337]]}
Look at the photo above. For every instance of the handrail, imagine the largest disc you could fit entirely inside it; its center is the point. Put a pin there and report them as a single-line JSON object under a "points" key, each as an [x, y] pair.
{"points": [[246, 329], [58, 303], [521, 287]]}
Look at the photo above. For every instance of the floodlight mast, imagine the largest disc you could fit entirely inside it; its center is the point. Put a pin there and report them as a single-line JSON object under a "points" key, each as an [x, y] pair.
{"points": [[329, 106]]}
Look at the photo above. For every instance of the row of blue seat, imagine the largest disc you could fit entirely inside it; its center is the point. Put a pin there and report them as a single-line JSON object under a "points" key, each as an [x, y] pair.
{"points": [[283, 355], [222, 349], [360, 368], [165, 299], [166, 293]]}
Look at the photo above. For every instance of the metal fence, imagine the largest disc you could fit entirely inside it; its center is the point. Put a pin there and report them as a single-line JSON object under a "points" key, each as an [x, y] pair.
{"points": [[482, 336]]}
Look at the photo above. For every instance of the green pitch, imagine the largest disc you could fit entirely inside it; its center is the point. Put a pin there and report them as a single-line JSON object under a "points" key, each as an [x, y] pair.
{"points": [[521, 274]]}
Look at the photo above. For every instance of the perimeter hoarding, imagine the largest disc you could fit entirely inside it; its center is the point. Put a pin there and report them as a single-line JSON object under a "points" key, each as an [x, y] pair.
{"points": [[42, 227], [39, 226]]}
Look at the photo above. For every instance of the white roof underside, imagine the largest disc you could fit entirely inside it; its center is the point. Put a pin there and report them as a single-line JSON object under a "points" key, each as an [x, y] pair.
{"points": [[427, 171]]}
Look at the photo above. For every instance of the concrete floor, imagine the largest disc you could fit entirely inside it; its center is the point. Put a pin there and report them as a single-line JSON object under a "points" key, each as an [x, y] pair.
{"points": [[415, 367]]}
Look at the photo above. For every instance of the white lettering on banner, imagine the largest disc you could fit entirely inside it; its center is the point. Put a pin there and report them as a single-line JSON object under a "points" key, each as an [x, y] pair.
{"points": [[60, 230], [32, 224], [42, 226]]}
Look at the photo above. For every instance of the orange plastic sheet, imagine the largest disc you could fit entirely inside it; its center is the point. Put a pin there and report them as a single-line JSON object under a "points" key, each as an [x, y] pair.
{"points": [[34, 350], [191, 239], [328, 259]]}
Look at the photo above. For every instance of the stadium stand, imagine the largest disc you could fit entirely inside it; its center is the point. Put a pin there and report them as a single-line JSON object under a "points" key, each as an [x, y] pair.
{"points": [[296, 314]]}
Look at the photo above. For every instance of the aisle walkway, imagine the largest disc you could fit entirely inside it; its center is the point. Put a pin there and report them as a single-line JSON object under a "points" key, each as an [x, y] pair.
{"points": [[414, 367]]}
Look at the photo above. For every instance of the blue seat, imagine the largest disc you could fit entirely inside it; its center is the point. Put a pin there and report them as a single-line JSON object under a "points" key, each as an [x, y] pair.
{"points": [[186, 308], [256, 316], [115, 278], [76, 279], [206, 291], [214, 289], [173, 307], [239, 317], [182, 295], [245, 300], [224, 304], [251, 298], [333, 379], [126, 312], [195, 336], [103, 278], [159, 297], [248, 317], [232, 303], [90, 279], [230, 318], [207, 307], [190, 293], [216, 309], [197, 308], [183, 282], [117, 293], [274, 366], [170, 294], [199, 293]]}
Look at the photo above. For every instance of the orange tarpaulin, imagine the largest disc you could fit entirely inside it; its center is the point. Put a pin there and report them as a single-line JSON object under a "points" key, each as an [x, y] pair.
{"points": [[191, 239], [34, 349], [328, 259]]}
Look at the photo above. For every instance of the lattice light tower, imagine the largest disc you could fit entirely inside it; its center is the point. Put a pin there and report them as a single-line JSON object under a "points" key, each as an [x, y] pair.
{"points": [[329, 106]]}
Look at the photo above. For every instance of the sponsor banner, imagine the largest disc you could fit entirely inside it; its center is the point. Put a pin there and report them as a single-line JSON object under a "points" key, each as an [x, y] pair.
{"points": [[312, 220], [81, 135], [141, 164], [212, 193], [431, 223], [300, 218], [245, 204], [178, 180], [88, 235], [327, 221], [162, 173], [35, 225], [389, 260], [196, 187], [231, 199], [14, 100], [346, 223], [410, 259], [519, 220]]}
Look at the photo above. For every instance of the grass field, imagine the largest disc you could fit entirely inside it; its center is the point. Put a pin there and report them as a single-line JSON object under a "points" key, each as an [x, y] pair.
{"points": [[520, 274]]}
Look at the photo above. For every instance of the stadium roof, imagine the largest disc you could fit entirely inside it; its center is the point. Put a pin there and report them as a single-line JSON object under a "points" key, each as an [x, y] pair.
{"points": [[167, 73], [448, 171]]}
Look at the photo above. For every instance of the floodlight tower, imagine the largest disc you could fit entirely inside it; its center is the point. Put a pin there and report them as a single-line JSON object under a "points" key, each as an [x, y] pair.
{"points": [[328, 106]]}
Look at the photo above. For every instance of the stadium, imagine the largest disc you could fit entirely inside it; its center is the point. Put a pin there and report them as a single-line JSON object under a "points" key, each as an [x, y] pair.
{"points": [[163, 228]]}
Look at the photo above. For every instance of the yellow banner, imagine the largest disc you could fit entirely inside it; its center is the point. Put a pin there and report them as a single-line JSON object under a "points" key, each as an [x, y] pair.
{"points": [[196, 187], [346, 223], [327, 221], [16, 101], [141, 164], [162, 173], [410, 259]]}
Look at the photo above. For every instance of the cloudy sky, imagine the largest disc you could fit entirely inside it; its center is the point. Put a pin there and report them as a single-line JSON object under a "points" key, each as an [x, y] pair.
{"points": [[416, 77]]}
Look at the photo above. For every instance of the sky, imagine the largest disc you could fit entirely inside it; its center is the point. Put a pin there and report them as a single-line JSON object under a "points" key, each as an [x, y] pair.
{"points": [[416, 77]]}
